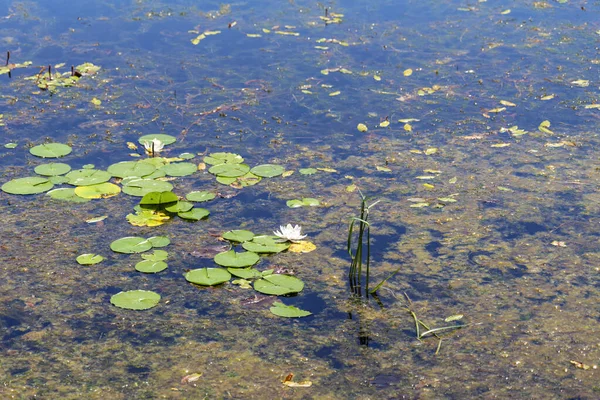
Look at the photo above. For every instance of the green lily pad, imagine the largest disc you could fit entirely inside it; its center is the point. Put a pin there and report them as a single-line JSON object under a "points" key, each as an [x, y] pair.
{"points": [[11, 145], [86, 177], [131, 244], [58, 179], [223, 158], [159, 241], [126, 169], [157, 255], [240, 182], [200, 196], [89, 259], [180, 207], [158, 198], [99, 191], [140, 187], [248, 273], [282, 310], [265, 244], [268, 170], [179, 169], [236, 260], [278, 284], [66, 194], [305, 202], [52, 169], [208, 276], [51, 150], [135, 299], [28, 185], [186, 156], [166, 139], [147, 218], [194, 214], [238, 235], [307, 171], [88, 166], [150, 266], [229, 170], [226, 181]]}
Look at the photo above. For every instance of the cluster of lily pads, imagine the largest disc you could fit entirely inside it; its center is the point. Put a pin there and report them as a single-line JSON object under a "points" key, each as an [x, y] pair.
{"points": [[231, 263]]}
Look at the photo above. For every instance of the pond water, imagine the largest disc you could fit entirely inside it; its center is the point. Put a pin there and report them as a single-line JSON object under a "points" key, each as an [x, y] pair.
{"points": [[479, 124]]}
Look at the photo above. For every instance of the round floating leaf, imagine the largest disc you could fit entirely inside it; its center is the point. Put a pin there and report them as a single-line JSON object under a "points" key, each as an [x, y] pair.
{"points": [[158, 173], [150, 266], [86, 177], [131, 244], [307, 171], [180, 207], [223, 158], [58, 179], [10, 145], [309, 201], [140, 187], [157, 198], [278, 284], [208, 276], [28, 185], [245, 273], [89, 259], [294, 203], [236, 260], [159, 241], [66, 194], [265, 244], [125, 169], [88, 166], [166, 139], [157, 255], [186, 156], [99, 191], [135, 299], [229, 170], [179, 169], [225, 181], [302, 246], [195, 214], [268, 170], [52, 169], [238, 235], [200, 196], [282, 310], [51, 150], [147, 218]]}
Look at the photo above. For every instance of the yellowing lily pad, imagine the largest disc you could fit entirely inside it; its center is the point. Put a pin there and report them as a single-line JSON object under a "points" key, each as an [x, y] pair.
{"points": [[99, 191], [302, 246]]}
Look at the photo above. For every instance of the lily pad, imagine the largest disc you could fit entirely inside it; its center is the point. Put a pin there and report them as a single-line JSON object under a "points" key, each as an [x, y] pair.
{"points": [[278, 284], [166, 139], [265, 244], [89, 259], [236, 260], [58, 179], [150, 266], [99, 191], [51, 150], [238, 235], [180, 207], [135, 299], [268, 170], [28, 185], [140, 187], [52, 169], [307, 171], [157, 255], [223, 158], [282, 310], [86, 177], [194, 214], [147, 218], [200, 196], [158, 198], [208, 276], [229, 170], [131, 244], [66, 194], [179, 169], [159, 241], [245, 273], [305, 202], [126, 169]]}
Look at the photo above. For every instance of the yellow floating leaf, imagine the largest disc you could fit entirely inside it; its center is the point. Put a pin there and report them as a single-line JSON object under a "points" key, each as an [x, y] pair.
{"points": [[209, 33], [198, 38], [377, 77], [201, 166], [428, 186], [432, 171], [407, 120], [596, 106], [431, 150], [351, 188], [308, 91], [507, 103], [287, 173], [505, 12], [362, 127], [384, 169], [547, 97], [497, 110], [425, 177], [265, 30], [500, 145], [96, 219], [408, 127], [336, 93], [345, 71], [302, 246], [96, 101], [384, 124], [581, 83], [325, 71], [415, 151], [447, 199], [253, 35], [325, 169], [190, 378], [407, 72], [419, 205], [131, 146], [453, 180], [544, 127], [580, 365], [288, 33]]}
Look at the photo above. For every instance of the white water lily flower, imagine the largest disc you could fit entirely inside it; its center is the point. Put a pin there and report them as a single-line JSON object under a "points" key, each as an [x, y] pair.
{"points": [[154, 146], [290, 233]]}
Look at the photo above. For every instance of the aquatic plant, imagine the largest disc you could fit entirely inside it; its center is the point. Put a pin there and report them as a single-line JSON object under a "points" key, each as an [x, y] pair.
{"points": [[290, 233]]}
